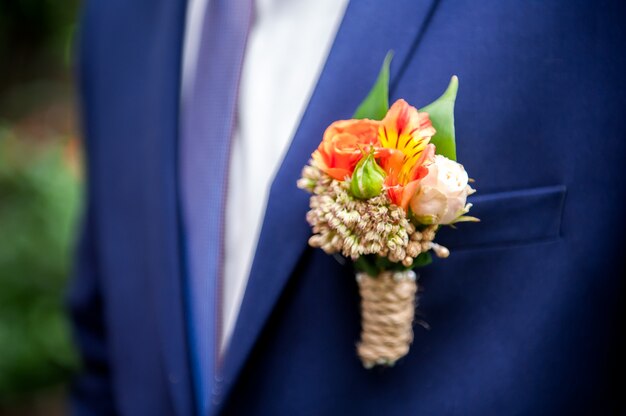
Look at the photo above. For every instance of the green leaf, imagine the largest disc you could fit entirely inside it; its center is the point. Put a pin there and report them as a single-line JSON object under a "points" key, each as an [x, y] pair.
{"points": [[364, 265], [376, 103], [424, 259], [373, 264], [466, 218], [441, 113]]}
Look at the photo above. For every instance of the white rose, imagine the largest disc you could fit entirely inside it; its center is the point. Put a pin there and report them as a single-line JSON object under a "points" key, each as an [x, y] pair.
{"points": [[442, 194]]}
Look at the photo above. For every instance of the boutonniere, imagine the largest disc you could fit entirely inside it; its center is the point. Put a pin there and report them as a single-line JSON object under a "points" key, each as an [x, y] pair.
{"points": [[382, 184]]}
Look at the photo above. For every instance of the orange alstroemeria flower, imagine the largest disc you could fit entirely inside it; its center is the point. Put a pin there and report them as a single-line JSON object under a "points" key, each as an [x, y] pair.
{"points": [[405, 134], [343, 145]]}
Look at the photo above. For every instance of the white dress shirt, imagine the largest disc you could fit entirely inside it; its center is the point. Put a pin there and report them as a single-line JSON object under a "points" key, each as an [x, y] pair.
{"points": [[286, 51]]}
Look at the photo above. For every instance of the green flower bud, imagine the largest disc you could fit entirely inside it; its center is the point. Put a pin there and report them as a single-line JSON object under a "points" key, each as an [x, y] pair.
{"points": [[367, 179]]}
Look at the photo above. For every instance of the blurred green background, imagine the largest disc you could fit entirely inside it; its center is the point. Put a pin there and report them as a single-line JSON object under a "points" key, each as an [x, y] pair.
{"points": [[40, 194]]}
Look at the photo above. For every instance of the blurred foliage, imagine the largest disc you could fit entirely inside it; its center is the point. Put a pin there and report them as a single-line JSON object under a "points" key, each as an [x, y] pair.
{"points": [[39, 198], [36, 40]]}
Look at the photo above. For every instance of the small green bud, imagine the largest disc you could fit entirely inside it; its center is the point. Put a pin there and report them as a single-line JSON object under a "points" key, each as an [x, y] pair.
{"points": [[367, 179]]}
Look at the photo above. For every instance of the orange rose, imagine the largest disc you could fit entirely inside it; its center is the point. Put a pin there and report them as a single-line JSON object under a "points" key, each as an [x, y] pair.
{"points": [[343, 145]]}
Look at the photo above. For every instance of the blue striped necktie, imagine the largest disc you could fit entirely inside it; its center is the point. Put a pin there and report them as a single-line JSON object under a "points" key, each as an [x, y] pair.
{"points": [[207, 121]]}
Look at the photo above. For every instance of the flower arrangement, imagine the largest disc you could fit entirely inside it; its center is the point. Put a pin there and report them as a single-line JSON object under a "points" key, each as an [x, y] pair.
{"points": [[382, 184]]}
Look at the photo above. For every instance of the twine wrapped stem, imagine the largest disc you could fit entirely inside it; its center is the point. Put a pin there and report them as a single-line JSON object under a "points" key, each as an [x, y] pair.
{"points": [[387, 309]]}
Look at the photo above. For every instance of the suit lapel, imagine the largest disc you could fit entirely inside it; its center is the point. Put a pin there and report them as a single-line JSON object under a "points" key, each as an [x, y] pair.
{"points": [[159, 91], [369, 29]]}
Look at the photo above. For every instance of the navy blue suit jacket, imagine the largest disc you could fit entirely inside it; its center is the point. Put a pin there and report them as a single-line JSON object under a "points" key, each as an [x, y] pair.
{"points": [[525, 315]]}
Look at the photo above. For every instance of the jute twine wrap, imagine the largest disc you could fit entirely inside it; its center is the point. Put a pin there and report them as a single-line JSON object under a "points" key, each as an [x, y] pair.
{"points": [[387, 308]]}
